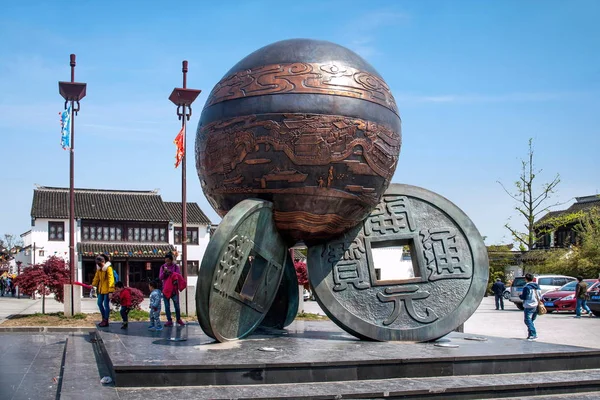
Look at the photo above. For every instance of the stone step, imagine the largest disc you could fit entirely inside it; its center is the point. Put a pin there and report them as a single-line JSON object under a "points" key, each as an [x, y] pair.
{"points": [[580, 384], [139, 358], [84, 366], [569, 396]]}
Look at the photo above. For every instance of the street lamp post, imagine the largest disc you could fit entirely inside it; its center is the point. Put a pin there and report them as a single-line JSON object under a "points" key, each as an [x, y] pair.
{"points": [[19, 273], [183, 99], [72, 92]]}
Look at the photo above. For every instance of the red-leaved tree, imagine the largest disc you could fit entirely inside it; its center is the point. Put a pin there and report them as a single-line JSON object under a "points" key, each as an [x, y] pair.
{"points": [[46, 278], [301, 272]]}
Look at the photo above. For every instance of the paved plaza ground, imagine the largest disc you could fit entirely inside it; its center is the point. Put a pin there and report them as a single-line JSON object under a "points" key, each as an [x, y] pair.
{"points": [[557, 328], [30, 364]]}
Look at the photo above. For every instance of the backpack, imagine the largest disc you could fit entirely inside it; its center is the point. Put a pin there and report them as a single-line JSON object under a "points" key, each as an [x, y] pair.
{"points": [[116, 276]]}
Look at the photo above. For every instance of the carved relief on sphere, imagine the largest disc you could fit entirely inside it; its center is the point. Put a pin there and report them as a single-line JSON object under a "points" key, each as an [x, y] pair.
{"points": [[316, 78]]}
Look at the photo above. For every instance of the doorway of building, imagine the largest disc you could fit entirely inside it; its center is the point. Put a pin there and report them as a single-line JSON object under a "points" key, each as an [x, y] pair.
{"points": [[141, 272]]}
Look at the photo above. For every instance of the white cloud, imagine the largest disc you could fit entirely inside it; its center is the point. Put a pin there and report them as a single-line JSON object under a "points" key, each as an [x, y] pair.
{"points": [[360, 33]]}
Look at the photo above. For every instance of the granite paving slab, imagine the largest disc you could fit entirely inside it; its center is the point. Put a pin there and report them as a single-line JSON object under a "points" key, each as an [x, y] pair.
{"points": [[567, 396], [304, 343], [30, 366], [84, 367], [463, 387], [316, 352]]}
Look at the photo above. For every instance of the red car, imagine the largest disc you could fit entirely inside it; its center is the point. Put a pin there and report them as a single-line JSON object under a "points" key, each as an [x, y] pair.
{"points": [[563, 298]]}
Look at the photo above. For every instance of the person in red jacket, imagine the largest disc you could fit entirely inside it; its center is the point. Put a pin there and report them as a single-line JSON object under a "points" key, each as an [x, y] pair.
{"points": [[125, 300], [169, 268]]}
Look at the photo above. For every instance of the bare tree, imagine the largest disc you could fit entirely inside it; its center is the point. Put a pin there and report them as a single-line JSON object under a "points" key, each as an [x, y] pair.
{"points": [[531, 200], [10, 241]]}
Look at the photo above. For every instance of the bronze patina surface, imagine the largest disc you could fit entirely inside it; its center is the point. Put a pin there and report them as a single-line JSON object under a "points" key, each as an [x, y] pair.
{"points": [[449, 261], [320, 78], [307, 125], [284, 309], [240, 272]]}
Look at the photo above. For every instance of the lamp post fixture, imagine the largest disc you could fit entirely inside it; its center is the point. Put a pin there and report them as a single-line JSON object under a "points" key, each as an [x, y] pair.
{"points": [[183, 99], [72, 92]]}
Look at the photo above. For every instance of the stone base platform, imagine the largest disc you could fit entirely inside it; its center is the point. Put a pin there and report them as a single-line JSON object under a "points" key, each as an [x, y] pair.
{"points": [[319, 352]]}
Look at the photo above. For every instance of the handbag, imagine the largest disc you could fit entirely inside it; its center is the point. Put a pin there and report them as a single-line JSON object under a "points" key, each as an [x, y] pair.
{"points": [[541, 309]]}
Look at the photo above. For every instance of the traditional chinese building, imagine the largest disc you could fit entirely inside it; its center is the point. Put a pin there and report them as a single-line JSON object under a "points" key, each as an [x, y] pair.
{"points": [[565, 234], [135, 228]]}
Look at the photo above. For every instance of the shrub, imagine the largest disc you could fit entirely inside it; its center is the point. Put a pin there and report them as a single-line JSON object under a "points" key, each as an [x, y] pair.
{"points": [[301, 272], [136, 298]]}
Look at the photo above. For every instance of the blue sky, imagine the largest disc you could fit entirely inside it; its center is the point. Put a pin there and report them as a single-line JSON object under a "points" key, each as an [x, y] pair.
{"points": [[474, 80]]}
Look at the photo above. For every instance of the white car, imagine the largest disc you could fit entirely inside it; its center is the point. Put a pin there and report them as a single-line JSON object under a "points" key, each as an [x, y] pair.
{"points": [[545, 282], [306, 295]]}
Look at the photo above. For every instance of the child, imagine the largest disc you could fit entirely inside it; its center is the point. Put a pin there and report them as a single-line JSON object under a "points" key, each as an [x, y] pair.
{"points": [[125, 300], [155, 297]]}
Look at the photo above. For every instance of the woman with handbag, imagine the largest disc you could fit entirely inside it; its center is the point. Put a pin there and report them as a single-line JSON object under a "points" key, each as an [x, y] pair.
{"points": [[530, 296], [104, 280]]}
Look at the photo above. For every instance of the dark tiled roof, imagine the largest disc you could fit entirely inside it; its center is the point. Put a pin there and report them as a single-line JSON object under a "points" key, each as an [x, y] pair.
{"points": [[581, 204], [194, 213], [120, 250], [131, 205]]}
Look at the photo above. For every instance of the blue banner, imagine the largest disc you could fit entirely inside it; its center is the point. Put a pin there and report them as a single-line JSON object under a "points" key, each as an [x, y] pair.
{"points": [[65, 128]]}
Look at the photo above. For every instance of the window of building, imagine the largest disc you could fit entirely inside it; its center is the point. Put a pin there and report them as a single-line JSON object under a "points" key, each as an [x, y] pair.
{"points": [[146, 233], [56, 231], [102, 232], [115, 232], [192, 268], [192, 235], [563, 239]]}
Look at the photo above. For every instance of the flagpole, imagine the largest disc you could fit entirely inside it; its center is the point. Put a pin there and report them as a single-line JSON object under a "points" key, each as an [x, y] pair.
{"points": [[184, 70], [72, 92], [183, 99]]}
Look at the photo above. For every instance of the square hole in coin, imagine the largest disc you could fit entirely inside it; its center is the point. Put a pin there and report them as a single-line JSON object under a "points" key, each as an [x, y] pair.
{"points": [[252, 276], [394, 261]]}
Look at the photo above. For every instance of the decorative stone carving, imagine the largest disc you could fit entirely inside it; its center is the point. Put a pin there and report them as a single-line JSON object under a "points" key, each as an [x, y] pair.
{"points": [[449, 262], [307, 125], [241, 272]]}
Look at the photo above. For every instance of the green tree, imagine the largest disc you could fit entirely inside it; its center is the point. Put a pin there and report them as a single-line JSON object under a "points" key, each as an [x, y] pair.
{"points": [[500, 257], [584, 258], [532, 200]]}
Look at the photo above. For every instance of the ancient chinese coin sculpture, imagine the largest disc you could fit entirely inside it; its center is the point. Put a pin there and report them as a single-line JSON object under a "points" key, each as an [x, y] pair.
{"points": [[299, 141], [306, 124], [241, 272], [449, 269]]}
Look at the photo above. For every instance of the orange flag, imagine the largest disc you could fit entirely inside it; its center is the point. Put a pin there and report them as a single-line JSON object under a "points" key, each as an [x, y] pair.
{"points": [[180, 147]]}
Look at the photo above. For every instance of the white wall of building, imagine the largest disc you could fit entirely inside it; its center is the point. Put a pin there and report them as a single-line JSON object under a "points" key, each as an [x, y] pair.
{"points": [[393, 263], [37, 238], [42, 248], [45, 248], [194, 252]]}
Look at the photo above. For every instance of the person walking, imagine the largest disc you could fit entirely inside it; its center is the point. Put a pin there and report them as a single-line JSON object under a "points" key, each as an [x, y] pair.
{"points": [[531, 298], [498, 289], [125, 301], [167, 269], [104, 280], [581, 296], [155, 296]]}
